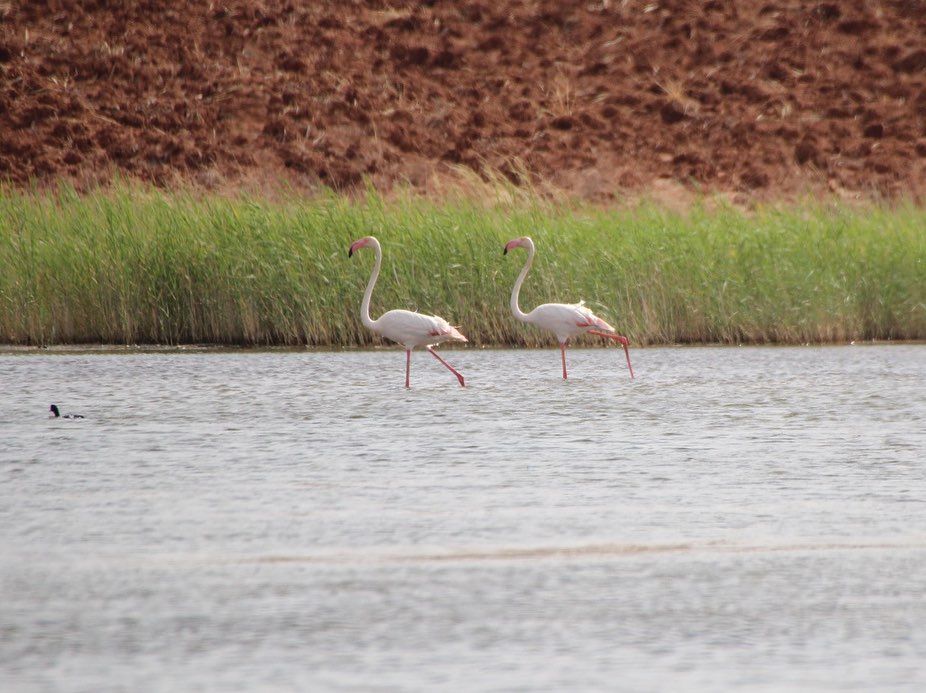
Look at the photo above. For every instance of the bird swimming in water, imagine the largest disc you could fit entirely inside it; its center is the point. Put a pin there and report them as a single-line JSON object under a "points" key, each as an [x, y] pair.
{"points": [[57, 414]]}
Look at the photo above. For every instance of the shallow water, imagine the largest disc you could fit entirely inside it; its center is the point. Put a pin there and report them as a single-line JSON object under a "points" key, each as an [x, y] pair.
{"points": [[733, 518]]}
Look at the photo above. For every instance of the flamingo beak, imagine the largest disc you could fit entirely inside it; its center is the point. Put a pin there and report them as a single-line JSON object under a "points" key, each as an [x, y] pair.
{"points": [[357, 245]]}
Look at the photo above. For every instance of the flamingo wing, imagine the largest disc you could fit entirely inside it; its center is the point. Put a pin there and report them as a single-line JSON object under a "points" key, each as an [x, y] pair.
{"points": [[446, 331], [588, 320], [415, 329], [566, 320]]}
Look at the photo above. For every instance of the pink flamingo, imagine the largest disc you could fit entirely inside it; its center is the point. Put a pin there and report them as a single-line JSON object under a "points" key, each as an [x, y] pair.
{"points": [[562, 319], [406, 327]]}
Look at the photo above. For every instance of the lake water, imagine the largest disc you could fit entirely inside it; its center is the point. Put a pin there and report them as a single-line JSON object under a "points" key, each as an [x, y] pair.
{"points": [[732, 519]]}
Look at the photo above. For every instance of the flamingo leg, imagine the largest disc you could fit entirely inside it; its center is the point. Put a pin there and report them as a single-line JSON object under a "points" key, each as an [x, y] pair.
{"points": [[451, 368], [408, 365], [622, 340], [562, 350]]}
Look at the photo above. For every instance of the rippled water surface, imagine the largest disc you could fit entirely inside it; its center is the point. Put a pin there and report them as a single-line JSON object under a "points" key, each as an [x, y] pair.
{"points": [[733, 518]]}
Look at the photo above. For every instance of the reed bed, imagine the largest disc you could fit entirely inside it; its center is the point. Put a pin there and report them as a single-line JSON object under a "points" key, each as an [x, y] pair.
{"points": [[133, 265]]}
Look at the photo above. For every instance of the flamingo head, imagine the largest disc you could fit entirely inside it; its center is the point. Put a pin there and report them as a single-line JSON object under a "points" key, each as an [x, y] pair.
{"points": [[364, 242], [522, 242]]}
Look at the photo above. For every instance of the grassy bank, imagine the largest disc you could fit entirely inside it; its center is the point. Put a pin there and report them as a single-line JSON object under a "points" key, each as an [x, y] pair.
{"points": [[134, 265]]}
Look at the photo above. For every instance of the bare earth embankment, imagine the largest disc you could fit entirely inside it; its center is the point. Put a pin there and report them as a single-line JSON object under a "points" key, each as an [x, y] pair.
{"points": [[760, 99]]}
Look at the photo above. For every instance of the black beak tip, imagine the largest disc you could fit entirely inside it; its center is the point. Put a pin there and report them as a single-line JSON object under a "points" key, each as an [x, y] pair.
{"points": [[505, 251], [350, 253]]}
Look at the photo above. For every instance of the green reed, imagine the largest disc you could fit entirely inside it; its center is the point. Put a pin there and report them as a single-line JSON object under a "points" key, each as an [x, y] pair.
{"points": [[133, 265]]}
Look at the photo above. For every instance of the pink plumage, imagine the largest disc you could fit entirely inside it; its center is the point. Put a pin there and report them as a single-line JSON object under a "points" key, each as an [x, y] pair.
{"points": [[412, 329], [405, 327], [565, 320]]}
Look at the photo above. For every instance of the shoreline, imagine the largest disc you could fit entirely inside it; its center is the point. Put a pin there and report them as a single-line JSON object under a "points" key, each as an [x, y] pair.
{"points": [[110, 349]]}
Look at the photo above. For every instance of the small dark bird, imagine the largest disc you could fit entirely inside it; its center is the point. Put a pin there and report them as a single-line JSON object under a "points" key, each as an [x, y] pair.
{"points": [[54, 410]]}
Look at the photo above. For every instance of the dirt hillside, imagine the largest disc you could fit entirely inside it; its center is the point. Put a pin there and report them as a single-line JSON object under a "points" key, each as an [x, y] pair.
{"points": [[596, 97]]}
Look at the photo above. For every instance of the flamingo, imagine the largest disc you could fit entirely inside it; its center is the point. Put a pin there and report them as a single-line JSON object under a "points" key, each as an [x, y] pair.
{"points": [[562, 319], [406, 327]]}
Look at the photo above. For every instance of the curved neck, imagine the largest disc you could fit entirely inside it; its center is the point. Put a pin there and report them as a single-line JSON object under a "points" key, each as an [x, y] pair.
{"points": [[515, 308], [365, 305]]}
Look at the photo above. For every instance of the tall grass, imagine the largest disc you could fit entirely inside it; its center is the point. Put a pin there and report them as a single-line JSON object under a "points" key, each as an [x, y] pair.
{"points": [[135, 265]]}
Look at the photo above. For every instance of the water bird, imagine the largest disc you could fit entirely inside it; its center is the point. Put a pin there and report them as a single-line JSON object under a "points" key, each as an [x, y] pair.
{"points": [[562, 319], [408, 328], [57, 414]]}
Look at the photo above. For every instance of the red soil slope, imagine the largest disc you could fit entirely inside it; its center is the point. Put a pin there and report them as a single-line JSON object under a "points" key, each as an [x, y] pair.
{"points": [[594, 97]]}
